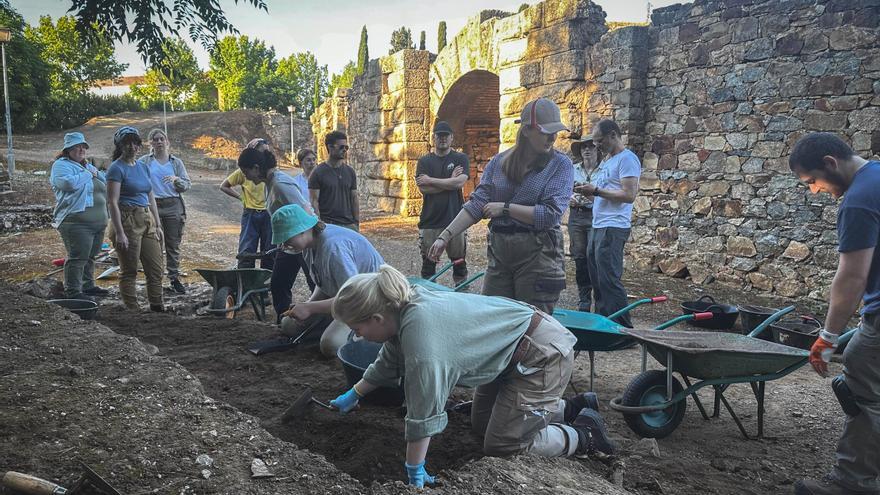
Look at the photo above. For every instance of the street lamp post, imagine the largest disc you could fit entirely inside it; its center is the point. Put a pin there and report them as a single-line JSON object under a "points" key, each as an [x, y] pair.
{"points": [[290, 110], [5, 36], [163, 88]]}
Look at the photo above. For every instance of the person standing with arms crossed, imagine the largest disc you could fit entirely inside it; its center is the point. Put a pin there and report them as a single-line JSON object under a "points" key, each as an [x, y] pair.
{"points": [[333, 186], [614, 190], [825, 163], [440, 176]]}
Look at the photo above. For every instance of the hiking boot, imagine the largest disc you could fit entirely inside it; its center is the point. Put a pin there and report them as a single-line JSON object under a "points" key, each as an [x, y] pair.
{"points": [[96, 291], [157, 308], [592, 436], [178, 287], [574, 405], [826, 486]]}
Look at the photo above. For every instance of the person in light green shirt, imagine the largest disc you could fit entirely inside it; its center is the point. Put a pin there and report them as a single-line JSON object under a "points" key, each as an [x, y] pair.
{"points": [[518, 359]]}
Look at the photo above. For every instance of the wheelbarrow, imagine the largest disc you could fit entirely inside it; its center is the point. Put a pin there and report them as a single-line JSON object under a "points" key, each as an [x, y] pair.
{"points": [[597, 333], [654, 403], [431, 284], [236, 287]]}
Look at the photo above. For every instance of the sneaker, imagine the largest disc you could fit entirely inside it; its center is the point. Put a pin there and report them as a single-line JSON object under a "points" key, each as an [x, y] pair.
{"points": [[574, 405], [178, 287], [592, 436], [826, 486], [96, 291]]}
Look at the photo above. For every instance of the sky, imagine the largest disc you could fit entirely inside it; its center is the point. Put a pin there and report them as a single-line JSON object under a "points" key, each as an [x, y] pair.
{"points": [[331, 29]]}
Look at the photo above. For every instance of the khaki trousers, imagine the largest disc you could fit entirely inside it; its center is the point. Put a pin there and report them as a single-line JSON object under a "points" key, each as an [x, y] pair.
{"points": [[526, 266], [143, 246], [456, 248], [522, 409]]}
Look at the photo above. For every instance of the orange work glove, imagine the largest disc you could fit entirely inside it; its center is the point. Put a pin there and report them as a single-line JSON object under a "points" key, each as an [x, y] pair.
{"points": [[820, 353]]}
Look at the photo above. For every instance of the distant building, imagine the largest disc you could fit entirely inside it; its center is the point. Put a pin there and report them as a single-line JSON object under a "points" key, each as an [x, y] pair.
{"points": [[116, 87]]}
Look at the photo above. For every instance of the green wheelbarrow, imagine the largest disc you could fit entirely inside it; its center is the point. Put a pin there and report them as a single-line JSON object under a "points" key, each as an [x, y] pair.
{"points": [[431, 283], [597, 333], [654, 403], [235, 288]]}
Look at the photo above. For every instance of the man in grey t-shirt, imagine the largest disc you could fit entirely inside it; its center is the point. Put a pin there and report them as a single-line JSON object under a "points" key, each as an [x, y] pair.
{"points": [[615, 187]]}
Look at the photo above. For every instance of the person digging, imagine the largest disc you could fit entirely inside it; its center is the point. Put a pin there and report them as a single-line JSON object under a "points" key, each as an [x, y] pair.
{"points": [[518, 358], [333, 254]]}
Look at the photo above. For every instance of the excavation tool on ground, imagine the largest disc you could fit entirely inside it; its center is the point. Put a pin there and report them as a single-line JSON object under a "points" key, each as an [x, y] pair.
{"points": [[311, 330], [302, 405], [235, 288], [88, 482], [654, 403]]}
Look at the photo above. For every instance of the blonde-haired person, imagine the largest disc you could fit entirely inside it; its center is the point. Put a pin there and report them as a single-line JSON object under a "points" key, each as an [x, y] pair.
{"points": [[333, 255], [506, 349], [169, 180], [524, 191]]}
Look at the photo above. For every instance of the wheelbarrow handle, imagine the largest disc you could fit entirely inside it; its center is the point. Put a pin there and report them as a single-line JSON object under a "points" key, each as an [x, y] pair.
{"points": [[706, 315], [681, 318], [657, 299], [445, 268], [635, 304], [468, 282], [771, 320]]}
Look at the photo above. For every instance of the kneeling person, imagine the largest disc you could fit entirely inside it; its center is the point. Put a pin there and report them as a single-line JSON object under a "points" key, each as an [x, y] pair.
{"points": [[333, 254], [506, 349]]}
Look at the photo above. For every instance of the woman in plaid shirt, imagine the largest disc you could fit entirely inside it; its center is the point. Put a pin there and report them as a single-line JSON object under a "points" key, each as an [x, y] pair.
{"points": [[524, 192]]}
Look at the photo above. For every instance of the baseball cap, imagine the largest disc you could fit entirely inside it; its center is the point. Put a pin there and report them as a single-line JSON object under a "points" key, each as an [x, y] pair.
{"points": [[442, 127], [544, 114]]}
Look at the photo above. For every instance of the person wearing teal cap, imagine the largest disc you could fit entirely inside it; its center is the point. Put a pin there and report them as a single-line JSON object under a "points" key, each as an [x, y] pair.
{"points": [[333, 254]]}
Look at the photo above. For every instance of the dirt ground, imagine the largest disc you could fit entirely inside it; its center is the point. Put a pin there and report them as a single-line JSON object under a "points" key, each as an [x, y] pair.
{"points": [[141, 395]]}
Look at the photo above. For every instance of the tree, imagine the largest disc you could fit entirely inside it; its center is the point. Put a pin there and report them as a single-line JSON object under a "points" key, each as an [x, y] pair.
{"points": [[179, 70], [422, 40], [316, 94], [522, 7], [363, 52], [299, 73], [241, 70], [146, 23], [28, 74], [441, 36], [401, 39], [344, 79], [76, 63]]}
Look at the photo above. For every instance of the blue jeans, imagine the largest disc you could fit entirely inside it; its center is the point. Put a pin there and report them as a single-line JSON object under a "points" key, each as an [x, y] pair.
{"points": [[605, 261], [256, 236]]}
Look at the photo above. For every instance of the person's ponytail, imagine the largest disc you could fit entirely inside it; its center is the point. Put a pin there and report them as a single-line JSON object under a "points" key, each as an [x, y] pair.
{"points": [[367, 294]]}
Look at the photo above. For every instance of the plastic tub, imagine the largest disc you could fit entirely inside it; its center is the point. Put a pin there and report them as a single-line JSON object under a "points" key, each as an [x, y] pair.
{"points": [[80, 307], [356, 356]]}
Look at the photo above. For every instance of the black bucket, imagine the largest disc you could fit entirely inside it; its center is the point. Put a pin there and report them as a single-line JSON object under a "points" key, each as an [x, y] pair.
{"points": [[356, 356], [723, 315], [801, 333], [85, 309], [752, 316]]}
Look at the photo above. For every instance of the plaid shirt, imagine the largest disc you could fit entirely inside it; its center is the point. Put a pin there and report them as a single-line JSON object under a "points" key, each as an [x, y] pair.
{"points": [[548, 190]]}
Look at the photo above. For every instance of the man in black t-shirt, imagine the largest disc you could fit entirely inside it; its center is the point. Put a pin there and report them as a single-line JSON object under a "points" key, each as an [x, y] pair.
{"points": [[333, 186], [440, 176]]}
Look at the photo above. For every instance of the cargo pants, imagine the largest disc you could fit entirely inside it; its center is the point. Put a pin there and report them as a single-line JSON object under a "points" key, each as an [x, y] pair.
{"points": [[456, 248], [172, 215], [143, 246]]}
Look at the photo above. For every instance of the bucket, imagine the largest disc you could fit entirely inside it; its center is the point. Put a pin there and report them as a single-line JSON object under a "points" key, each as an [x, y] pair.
{"points": [[80, 307], [752, 316], [356, 356], [796, 333], [723, 315]]}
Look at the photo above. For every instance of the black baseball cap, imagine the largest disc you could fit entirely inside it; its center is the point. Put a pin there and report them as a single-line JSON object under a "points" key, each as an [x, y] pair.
{"points": [[442, 127]]}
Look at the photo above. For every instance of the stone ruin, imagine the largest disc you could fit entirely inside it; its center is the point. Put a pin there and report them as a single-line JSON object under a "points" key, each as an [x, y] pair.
{"points": [[711, 95]]}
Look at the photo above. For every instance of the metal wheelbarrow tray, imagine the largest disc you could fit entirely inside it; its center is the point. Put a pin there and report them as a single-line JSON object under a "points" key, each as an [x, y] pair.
{"points": [[235, 288], [654, 403]]}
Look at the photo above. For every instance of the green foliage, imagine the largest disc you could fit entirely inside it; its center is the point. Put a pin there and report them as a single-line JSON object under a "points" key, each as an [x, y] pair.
{"points": [[522, 7], [145, 23], [76, 62], [422, 40], [27, 73], [74, 110], [298, 74], [401, 39], [363, 52], [242, 70], [441, 36], [179, 70], [316, 94], [344, 79]]}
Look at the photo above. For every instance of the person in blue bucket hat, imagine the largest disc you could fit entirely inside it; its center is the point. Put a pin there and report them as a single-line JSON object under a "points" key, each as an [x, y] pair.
{"points": [[80, 215], [333, 254]]}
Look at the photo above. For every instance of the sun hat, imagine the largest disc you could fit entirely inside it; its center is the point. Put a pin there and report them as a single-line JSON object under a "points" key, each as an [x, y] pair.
{"points": [[72, 139], [289, 221], [124, 131], [544, 114], [578, 143]]}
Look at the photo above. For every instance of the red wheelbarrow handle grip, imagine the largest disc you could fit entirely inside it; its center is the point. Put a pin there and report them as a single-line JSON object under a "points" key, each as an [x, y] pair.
{"points": [[458, 261], [703, 316], [659, 299]]}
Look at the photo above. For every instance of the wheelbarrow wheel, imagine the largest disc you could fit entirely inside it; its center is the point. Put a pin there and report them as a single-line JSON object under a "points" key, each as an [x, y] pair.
{"points": [[224, 298], [646, 389]]}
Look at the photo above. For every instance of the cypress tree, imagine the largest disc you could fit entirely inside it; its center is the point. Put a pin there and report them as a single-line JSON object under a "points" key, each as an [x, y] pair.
{"points": [[363, 52], [441, 36], [316, 95], [422, 41]]}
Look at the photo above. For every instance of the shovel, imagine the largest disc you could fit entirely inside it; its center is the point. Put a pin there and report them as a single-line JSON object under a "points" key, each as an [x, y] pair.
{"points": [[302, 405]]}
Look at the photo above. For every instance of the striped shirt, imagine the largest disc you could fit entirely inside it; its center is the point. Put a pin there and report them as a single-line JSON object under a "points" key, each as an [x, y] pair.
{"points": [[548, 189]]}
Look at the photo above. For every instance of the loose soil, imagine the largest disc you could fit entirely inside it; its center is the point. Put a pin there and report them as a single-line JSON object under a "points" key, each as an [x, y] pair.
{"points": [[141, 395]]}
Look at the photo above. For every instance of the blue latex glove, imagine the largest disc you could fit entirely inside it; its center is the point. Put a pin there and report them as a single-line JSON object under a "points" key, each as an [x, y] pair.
{"points": [[347, 401], [417, 475]]}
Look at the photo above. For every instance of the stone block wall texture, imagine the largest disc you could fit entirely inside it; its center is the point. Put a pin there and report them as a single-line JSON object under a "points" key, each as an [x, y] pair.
{"points": [[711, 95]]}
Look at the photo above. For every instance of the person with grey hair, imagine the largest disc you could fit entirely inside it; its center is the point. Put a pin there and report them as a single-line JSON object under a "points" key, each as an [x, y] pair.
{"points": [[169, 180]]}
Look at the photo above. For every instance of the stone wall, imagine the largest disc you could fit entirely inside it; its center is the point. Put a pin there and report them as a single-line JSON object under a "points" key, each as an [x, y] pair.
{"points": [[711, 95], [277, 128]]}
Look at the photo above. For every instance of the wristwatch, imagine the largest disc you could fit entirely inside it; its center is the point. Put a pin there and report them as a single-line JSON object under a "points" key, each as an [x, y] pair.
{"points": [[506, 210]]}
